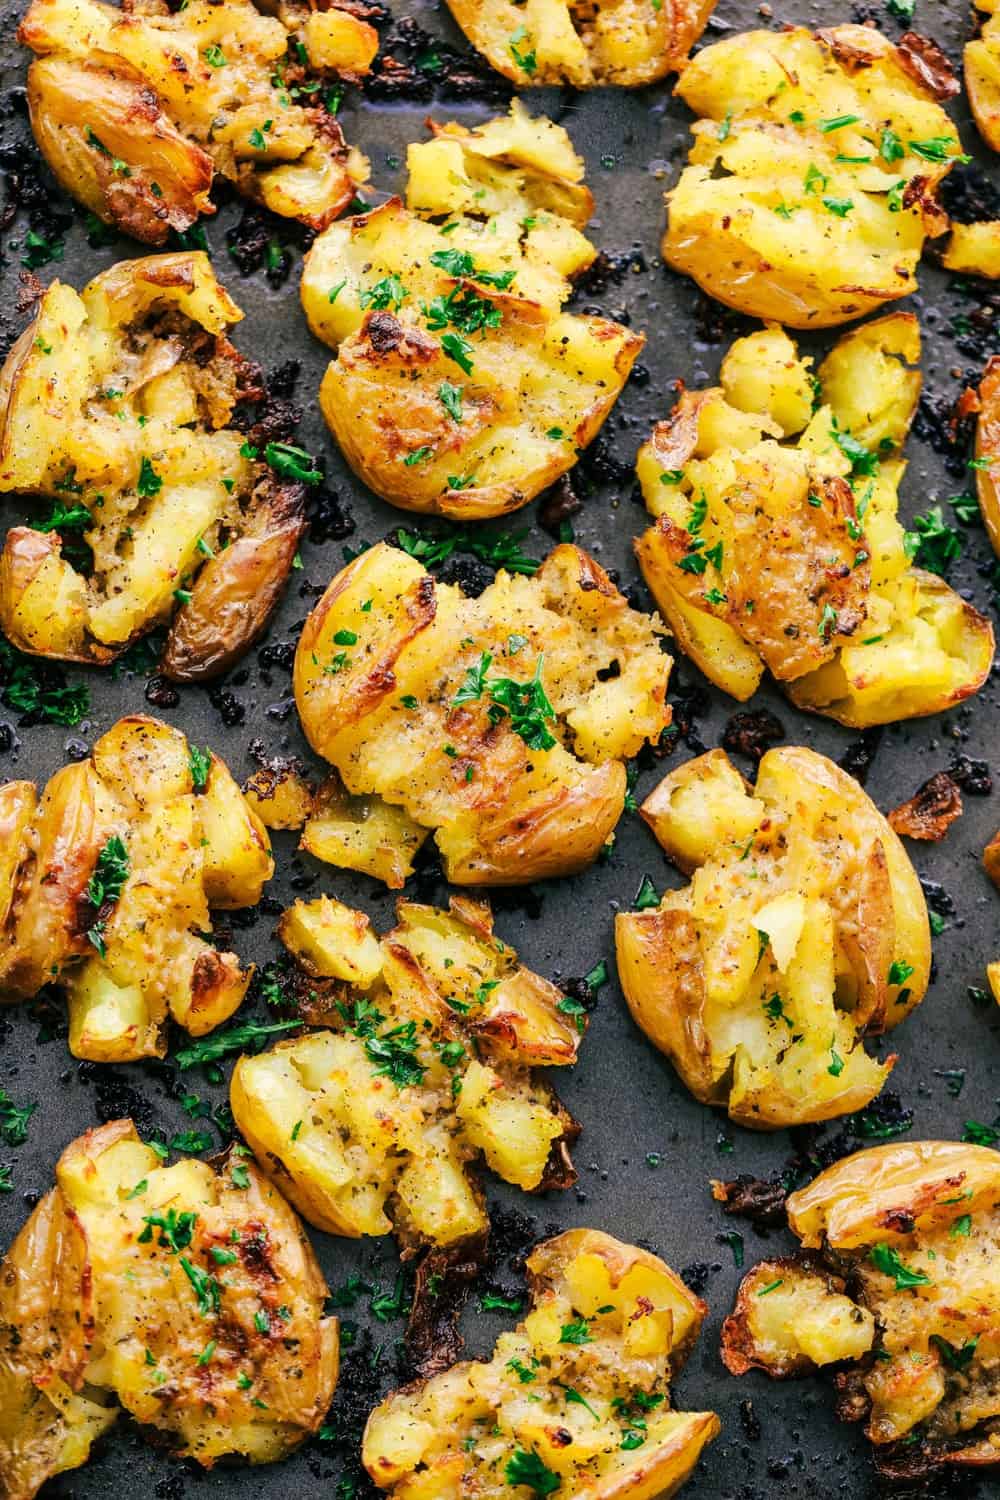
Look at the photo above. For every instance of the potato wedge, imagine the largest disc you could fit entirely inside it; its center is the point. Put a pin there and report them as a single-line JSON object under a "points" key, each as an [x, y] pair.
{"points": [[781, 213], [563, 42], [981, 66], [509, 1425], [105, 889], [115, 404], [136, 110], [375, 1125], [899, 1274], [500, 722], [803, 930], [777, 545], [114, 1298], [460, 387]]}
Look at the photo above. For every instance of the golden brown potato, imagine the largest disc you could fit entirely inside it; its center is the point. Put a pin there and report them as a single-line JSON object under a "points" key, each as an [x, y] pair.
{"points": [[495, 721], [575, 1400], [585, 46], [981, 65], [974, 249], [136, 109], [115, 404], [187, 1296], [777, 545], [106, 885], [362, 833], [460, 387], [987, 457], [803, 929], [374, 1126], [280, 793], [901, 1275], [812, 180]]}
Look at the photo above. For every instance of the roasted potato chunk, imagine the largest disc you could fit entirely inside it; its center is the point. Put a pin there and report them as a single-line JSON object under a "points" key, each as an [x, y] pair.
{"points": [[777, 545], [106, 885], [500, 722], [116, 404], [981, 66], [374, 1126], [811, 183], [585, 46], [178, 1294], [575, 1400], [803, 930], [974, 249], [460, 387], [988, 451], [911, 1229], [135, 110]]}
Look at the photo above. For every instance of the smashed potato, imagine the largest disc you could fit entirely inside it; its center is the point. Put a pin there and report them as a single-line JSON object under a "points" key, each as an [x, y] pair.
{"points": [[116, 404], [372, 1126], [974, 249], [187, 1296], [499, 722], [460, 387], [777, 545], [803, 929], [981, 66], [575, 1400], [585, 46], [987, 458], [811, 184], [106, 883], [136, 110], [901, 1275]]}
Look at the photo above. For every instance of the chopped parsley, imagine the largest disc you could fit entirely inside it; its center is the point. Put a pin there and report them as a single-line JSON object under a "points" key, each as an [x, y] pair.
{"points": [[528, 63], [387, 293], [175, 1230], [292, 463], [932, 543], [450, 397], [206, 1288], [646, 897], [577, 1332], [502, 551], [105, 886], [14, 1120], [149, 482], [979, 1134], [214, 56], [200, 763], [221, 1043], [886, 1259], [955, 1359]]}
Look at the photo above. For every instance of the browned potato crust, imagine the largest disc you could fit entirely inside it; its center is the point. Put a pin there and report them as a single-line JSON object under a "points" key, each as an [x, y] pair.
{"points": [[460, 387], [156, 1290], [803, 930], [135, 110], [777, 544], [782, 219], [508, 1427], [398, 682], [901, 1275], [565, 42], [988, 451], [376, 1124], [116, 404], [982, 75], [106, 885]]}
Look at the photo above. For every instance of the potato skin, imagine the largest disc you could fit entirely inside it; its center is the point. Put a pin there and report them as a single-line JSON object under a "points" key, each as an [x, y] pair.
{"points": [[381, 711], [980, 70], [884, 1221], [418, 1442], [654, 40], [728, 230], [687, 975], [87, 1272], [62, 434], [183, 851], [135, 110], [988, 450]]}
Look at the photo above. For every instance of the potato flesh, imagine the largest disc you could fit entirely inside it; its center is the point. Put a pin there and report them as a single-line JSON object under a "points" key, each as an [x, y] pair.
{"points": [[761, 234], [458, 1431], [146, 1352], [564, 622], [360, 1150], [982, 76], [184, 853], [913, 1227], [539, 382], [216, 73], [885, 643], [110, 410], [551, 41], [802, 900]]}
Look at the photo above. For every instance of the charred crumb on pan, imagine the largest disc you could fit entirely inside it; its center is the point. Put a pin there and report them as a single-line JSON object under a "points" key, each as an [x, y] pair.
{"points": [[930, 812], [973, 776], [599, 466], [885, 1118], [859, 757], [444, 1278], [760, 1201], [115, 1098], [968, 196], [261, 238], [609, 268], [226, 704], [697, 1275], [559, 502], [412, 65], [752, 734]]}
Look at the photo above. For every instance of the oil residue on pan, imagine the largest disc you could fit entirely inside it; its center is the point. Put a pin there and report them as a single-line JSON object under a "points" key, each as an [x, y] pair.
{"points": [[648, 1150]]}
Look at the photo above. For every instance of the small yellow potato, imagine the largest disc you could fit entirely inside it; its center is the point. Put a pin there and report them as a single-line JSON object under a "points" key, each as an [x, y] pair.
{"points": [[803, 930], [588, 1415], [106, 885], [981, 66], [898, 1272], [143, 1288], [500, 723]]}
